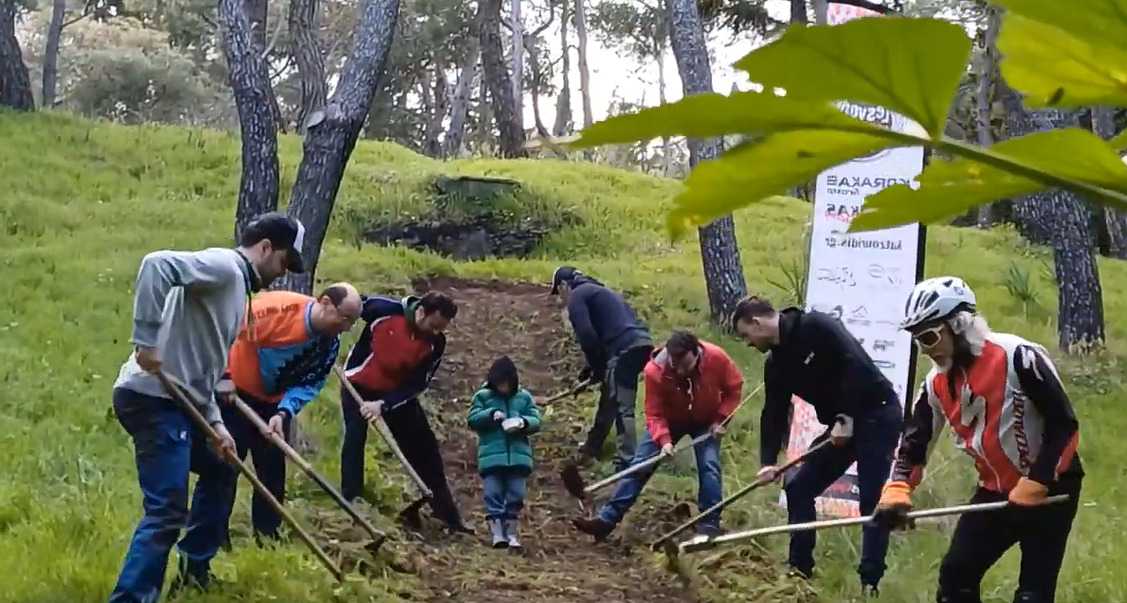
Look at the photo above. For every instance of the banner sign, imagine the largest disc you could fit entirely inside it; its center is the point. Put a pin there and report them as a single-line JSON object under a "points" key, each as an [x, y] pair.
{"points": [[862, 279]]}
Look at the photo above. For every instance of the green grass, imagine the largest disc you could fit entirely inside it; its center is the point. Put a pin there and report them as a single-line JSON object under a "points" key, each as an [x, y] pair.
{"points": [[83, 201]]}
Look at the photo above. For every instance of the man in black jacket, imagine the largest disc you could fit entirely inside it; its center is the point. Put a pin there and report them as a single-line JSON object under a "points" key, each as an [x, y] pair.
{"points": [[813, 356], [616, 346]]}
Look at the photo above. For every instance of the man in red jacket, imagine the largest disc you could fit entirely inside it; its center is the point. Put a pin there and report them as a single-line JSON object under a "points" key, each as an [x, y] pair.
{"points": [[692, 386]]}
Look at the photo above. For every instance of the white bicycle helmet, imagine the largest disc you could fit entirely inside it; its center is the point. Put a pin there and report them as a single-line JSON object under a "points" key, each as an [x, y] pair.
{"points": [[937, 298]]}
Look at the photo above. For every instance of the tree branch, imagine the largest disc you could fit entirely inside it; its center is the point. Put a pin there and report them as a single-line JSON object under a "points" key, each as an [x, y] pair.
{"points": [[866, 4], [551, 17], [273, 39]]}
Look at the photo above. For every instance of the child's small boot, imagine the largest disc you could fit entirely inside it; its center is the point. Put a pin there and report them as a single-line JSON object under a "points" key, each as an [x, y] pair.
{"points": [[511, 531], [497, 533]]}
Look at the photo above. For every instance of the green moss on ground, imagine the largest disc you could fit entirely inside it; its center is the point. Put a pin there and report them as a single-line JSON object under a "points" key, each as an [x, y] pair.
{"points": [[83, 201]]}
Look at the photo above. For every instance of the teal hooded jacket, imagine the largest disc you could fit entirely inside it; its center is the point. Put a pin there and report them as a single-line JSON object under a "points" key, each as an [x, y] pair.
{"points": [[497, 449]]}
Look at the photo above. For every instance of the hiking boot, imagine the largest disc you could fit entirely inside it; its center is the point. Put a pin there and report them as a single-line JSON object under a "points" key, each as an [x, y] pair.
{"points": [[497, 533], [593, 526], [512, 532], [459, 526], [191, 576], [411, 519]]}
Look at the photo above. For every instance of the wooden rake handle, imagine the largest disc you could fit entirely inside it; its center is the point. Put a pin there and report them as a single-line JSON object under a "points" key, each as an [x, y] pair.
{"points": [[657, 458], [279, 441], [388, 439], [575, 389], [704, 543], [740, 494], [186, 399]]}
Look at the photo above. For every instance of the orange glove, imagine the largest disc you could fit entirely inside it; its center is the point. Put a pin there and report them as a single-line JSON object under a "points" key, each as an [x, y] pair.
{"points": [[895, 503], [1028, 493]]}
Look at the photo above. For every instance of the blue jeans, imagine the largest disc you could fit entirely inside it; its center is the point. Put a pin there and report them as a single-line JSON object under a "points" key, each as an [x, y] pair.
{"points": [[710, 492], [872, 447], [166, 448], [504, 491]]}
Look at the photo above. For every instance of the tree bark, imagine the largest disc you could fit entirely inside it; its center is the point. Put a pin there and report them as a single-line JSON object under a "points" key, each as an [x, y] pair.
{"points": [[333, 131], [250, 86], [983, 100], [719, 250], [15, 82], [517, 49], [309, 58], [1031, 215], [454, 140], [256, 11], [563, 124], [1064, 217], [584, 72], [798, 12], [531, 46], [511, 132], [821, 11], [51, 52], [1103, 124]]}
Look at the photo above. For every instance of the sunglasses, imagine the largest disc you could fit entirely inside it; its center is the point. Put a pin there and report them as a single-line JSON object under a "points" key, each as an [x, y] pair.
{"points": [[929, 337]]}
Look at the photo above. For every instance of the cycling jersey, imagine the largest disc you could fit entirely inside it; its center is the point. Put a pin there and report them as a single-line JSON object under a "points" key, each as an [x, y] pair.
{"points": [[1008, 410]]}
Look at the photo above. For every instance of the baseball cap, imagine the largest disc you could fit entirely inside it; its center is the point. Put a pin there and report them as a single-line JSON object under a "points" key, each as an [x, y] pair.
{"points": [[283, 232], [563, 274]]}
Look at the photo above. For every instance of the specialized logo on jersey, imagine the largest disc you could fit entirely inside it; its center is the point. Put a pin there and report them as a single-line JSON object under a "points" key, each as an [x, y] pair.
{"points": [[992, 419]]}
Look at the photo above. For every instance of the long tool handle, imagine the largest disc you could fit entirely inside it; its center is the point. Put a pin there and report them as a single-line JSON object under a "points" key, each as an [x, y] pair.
{"points": [[185, 397], [738, 495], [377, 536], [702, 544], [657, 458], [388, 439], [578, 387]]}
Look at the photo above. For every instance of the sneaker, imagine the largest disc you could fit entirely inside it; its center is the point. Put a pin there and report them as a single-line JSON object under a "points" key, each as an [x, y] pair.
{"points": [[457, 526], [593, 526], [411, 519], [869, 591], [497, 533], [512, 530], [191, 576]]}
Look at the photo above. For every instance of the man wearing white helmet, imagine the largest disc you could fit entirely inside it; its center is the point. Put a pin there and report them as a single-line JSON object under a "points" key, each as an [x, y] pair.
{"points": [[1008, 410]]}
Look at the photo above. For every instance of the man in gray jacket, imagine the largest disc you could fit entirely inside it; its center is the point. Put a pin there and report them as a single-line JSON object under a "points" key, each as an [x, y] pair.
{"points": [[188, 308]]}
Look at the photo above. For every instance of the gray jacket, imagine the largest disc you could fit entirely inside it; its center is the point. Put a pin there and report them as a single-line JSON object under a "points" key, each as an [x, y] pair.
{"points": [[190, 306]]}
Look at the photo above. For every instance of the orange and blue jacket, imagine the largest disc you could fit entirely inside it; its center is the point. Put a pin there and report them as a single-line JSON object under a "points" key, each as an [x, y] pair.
{"points": [[278, 357], [392, 358]]}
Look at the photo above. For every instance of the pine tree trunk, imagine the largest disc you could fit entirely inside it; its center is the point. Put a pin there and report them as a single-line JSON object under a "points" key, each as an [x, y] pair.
{"points": [[563, 124], [250, 86], [51, 52], [15, 82], [333, 132], [309, 58], [580, 18], [719, 250], [497, 79]]}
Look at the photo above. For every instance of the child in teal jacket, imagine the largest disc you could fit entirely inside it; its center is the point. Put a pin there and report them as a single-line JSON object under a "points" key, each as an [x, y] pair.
{"points": [[503, 414]]}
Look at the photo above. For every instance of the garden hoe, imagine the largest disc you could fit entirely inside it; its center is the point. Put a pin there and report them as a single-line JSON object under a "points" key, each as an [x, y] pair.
{"points": [[577, 486], [278, 440], [186, 399], [666, 544], [705, 543], [378, 424], [574, 391]]}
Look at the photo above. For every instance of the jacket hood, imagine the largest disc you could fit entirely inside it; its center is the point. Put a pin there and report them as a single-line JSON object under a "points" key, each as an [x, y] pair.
{"points": [[503, 370]]}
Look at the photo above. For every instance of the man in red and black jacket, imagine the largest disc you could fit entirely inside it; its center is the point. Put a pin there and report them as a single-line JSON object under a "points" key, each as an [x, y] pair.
{"points": [[392, 363], [692, 387]]}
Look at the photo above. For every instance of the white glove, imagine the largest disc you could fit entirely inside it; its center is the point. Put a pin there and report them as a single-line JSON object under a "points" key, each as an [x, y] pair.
{"points": [[498, 415], [842, 429], [512, 425]]}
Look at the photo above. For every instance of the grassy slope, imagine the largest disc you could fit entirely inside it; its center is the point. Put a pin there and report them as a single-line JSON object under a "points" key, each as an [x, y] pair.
{"points": [[82, 202]]}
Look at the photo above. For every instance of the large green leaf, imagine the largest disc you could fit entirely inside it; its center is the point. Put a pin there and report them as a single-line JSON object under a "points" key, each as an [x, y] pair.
{"points": [[911, 66], [950, 188], [1102, 23], [1053, 67], [711, 114], [763, 168]]}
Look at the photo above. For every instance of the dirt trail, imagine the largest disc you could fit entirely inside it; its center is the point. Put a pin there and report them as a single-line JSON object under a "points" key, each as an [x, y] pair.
{"points": [[558, 564]]}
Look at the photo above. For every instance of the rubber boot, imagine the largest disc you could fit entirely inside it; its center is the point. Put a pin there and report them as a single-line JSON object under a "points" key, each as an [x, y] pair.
{"points": [[512, 532], [497, 533]]}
